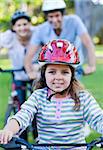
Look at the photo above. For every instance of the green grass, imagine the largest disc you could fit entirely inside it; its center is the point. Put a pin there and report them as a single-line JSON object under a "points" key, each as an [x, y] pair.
{"points": [[4, 94], [94, 83]]}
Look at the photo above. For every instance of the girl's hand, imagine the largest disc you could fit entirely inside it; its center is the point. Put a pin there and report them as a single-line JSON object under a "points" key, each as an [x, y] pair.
{"points": [[5, 136]]}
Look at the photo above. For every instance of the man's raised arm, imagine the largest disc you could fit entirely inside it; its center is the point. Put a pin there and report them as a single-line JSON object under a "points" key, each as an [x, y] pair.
{"points": [[28, 61]]}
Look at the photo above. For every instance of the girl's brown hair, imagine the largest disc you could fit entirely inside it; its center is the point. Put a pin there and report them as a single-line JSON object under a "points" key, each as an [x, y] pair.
{"points": [[73, 89]]}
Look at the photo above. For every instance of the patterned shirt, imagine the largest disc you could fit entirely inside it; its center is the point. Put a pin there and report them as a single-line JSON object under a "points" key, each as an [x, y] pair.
{"points": [[57, 121]]}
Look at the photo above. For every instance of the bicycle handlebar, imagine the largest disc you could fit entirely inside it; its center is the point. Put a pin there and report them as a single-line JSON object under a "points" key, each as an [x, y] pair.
{"points": [[19, 143], [15, 70], [12, 70]]}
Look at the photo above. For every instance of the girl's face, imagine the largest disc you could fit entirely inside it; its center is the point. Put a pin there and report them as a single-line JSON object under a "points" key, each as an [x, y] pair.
{"points": [[58, 77], [22, 27]]}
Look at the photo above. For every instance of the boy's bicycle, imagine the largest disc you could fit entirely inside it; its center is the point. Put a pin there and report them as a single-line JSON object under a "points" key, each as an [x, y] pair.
{"points": [[13, 105], [13, 100], [21, 144]]}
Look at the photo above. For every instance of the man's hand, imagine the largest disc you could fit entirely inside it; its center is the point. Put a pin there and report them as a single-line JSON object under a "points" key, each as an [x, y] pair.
{"points": [[32, 75], [35, 73], [89, 70]]}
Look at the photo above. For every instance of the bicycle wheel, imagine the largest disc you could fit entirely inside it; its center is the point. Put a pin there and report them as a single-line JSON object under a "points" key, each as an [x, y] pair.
{"points": [[10, 110], [8, 113]]}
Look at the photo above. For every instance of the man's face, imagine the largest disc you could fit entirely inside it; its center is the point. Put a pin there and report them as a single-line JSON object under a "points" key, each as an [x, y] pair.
{"points": [[55, 19]]}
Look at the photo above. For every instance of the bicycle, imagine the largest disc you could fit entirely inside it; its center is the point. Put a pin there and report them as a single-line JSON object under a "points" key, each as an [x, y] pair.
{"points": [[21, 144], [13, 102], [13, 105]]}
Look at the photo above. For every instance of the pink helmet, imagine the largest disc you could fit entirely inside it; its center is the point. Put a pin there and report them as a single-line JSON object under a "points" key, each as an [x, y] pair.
{"points": [[59, 51]]}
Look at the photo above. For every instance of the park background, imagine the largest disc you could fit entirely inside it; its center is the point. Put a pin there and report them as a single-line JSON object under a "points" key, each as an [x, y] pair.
{"points": [[92, 17]]}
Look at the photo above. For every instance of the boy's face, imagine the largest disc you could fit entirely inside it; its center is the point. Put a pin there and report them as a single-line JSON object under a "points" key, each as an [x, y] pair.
{"points": [[55, 19], [22, 27], [58, 77]]}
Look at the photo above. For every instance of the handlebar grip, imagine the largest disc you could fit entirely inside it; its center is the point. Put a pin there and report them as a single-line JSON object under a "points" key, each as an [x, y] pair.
{"points": [[11, 145], [12, 70]]}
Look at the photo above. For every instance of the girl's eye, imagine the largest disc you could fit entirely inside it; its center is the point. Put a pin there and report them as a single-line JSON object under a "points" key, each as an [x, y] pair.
{"points": [[51, 72], [25, 24], [19, 25], [65, 72]]}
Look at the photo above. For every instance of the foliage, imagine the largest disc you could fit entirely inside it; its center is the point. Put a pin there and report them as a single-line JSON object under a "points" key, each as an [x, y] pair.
{"points": [[10, 6], [69, 4], [33, 7], [100, 35]]}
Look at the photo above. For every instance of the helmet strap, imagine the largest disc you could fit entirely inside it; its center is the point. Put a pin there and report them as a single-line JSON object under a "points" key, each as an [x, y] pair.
{"points": [[61, 93]]}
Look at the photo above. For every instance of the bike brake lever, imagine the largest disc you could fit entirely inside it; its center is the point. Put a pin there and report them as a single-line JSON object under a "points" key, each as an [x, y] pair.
{"points": [[97, 143], [11, 145], [100, 143], [1, 70]]}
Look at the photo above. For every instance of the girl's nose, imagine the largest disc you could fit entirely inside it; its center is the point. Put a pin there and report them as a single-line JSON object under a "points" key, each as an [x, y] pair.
{"points": [[58, 76], [22, 27]]}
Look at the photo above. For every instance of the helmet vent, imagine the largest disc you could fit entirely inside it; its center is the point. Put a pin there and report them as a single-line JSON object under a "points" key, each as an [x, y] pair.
{"points": [[70, 48], [50, 48], [59, 44]]}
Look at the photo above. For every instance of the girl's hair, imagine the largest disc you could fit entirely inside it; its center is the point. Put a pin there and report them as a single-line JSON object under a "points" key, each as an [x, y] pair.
{"points": [[73, 89]]}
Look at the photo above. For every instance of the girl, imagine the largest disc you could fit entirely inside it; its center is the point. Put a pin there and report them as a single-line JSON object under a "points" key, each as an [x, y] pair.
{"points": [[60, 103], [17, 41]]}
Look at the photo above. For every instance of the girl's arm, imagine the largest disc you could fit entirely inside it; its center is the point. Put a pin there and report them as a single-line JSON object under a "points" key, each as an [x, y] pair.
{"points": [[11, 128], [93, 114]]}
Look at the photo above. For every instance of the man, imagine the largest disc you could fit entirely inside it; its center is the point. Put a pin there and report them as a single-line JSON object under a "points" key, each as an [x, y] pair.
{"points": [[59, 26]]}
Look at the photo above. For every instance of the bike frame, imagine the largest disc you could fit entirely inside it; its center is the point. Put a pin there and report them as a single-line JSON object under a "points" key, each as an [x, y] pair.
{"points": [[13, 104]]}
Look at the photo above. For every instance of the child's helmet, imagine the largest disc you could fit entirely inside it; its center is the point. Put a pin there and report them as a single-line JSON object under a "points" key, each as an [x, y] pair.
{"points": [[49, 5], [18, 15], [59, 52]]}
